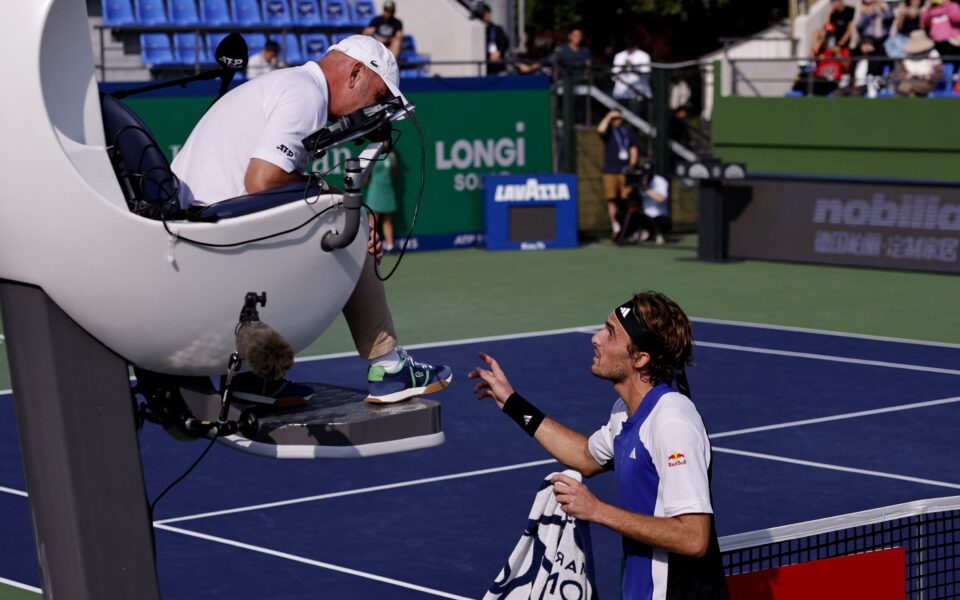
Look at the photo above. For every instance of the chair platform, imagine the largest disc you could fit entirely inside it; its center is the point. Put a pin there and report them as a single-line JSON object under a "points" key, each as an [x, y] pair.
{"points": [[335, 423]]}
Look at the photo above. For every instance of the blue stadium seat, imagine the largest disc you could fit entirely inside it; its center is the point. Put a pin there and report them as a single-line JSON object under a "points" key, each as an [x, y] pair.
{"points": [[117, 13], [276, 13], [213, 40], [184, 12], [339, 37], [255, 42], [408, 51], [155, 50], [151, 12], [307, 12], [215, 12], [290, 50], [246, 12], [188, 49], [315, 45], [335, 13], [363, 12]]}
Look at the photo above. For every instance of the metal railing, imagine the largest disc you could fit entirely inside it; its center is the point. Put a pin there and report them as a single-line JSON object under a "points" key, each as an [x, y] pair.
{"points": [[772, 77]]}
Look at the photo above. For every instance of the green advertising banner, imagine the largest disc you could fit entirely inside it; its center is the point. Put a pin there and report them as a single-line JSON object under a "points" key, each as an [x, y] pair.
{"points": [[471, 127]]}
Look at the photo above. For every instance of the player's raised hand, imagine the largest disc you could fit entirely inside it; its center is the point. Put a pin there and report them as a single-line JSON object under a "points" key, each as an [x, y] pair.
{"points": [[493, 382]]}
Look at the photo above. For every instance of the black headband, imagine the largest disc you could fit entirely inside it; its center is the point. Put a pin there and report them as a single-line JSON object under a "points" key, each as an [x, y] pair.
{"points": [[637, 329], [644, 339]]}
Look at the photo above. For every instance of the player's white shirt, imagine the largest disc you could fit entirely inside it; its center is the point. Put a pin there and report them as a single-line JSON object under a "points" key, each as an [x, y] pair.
{"points": [[626, 83], [265, 118], [662, 457]]}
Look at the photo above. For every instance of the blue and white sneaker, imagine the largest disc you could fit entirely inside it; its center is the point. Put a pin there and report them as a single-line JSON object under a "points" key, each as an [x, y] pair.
{"points": [[411, 379], [277, 392]]}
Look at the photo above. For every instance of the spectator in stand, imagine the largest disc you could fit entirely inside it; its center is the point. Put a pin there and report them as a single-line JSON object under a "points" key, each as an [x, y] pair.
{"points": [[873, 18], [906, 19], [940, 18], [631, 75], [381, 195], [387, 28], [841, 17], [917, 74], [867, 70], [574, 58], [497, 41], [266, 61], [620, 152], [573, 54], [831, 64]]}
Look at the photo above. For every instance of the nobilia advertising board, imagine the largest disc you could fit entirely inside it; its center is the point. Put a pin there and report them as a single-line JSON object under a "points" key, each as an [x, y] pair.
{"points": [[871, 224], [472, 127]]}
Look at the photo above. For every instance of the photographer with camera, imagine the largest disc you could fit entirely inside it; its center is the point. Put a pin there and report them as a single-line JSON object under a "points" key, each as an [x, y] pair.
{"points": [[646, 212], [620, 153]]}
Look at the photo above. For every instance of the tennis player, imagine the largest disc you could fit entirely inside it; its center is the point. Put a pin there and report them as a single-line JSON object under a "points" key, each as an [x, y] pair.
{"points": [[657, 441]]}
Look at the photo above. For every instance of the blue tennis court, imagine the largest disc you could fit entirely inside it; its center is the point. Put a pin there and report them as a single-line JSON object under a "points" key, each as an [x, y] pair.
{"points": [[804, 424]]}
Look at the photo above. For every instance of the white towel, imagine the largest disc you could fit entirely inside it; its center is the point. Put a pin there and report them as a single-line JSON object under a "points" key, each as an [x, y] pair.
{"points": [[553, 559]]}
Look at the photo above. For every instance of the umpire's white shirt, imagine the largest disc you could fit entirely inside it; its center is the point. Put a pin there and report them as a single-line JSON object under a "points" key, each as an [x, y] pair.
{"points": [[264, 118]]}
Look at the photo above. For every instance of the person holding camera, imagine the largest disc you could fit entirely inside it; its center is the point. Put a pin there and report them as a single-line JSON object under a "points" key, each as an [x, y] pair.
{"points": [[620, 152], [647, 211]]}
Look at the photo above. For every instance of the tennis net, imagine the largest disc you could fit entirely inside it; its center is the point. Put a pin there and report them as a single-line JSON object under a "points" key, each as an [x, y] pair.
{"points": [[927, 530]]}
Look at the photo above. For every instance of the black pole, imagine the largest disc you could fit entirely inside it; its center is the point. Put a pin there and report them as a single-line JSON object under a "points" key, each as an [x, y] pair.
{"points": [[712, 228], [569, 163], [661, 120], [80, 454]]}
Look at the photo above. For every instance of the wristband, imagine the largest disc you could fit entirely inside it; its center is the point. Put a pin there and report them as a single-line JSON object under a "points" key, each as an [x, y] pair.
{"points": [[526, 415]]}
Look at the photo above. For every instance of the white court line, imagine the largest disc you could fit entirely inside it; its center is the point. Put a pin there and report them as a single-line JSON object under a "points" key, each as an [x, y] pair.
{"points": [[308, 561], [829, 358], [852, 415], [366, 490], [22, 586], [860, 336], [7, 490], [829, 467]]}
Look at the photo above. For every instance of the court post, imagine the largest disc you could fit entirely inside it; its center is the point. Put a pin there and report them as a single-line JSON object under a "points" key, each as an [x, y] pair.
{"points": [[80, 453]]}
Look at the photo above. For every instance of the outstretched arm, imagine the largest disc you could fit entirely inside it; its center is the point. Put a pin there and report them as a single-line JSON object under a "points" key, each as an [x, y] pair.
{"points": [[566, 445]]}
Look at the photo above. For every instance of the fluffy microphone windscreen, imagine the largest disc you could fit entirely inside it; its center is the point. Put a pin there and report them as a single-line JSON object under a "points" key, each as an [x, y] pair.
{"points": [[264, 350]]}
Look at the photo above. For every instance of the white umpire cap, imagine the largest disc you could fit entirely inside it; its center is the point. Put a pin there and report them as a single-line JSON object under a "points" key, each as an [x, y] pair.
{"points": [[376, 57]]}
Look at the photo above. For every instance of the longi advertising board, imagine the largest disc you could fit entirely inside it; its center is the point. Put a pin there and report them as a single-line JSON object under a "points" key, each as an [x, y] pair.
{"points": [[870, 224]]}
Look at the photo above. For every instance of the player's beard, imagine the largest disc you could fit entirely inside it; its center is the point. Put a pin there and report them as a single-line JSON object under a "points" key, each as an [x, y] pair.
{"points": [[613, 372]]}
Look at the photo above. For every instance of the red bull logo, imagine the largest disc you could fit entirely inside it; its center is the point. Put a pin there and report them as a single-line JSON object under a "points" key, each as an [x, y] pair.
{"points": [[676, 459]]}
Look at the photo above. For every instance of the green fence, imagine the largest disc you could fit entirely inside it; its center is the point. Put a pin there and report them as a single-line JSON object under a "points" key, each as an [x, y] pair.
{"points": [[902, 138]]}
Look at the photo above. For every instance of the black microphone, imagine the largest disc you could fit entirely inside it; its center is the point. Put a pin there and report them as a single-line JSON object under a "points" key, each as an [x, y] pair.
{"points": [[264, 350], [232, 55]]}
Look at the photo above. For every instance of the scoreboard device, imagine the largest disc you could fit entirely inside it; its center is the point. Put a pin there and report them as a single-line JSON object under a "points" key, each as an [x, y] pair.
{"points": [[530, 212]]}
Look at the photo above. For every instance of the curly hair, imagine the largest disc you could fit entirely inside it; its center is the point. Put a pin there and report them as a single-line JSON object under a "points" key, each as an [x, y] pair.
{"points": [[668, 322]]}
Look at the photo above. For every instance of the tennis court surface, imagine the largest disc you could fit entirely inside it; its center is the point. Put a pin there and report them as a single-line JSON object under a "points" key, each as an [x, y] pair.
{"points": [[805, 425]]}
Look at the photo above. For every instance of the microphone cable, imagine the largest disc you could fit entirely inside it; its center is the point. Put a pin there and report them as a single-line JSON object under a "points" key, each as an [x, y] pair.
{"points": [[416, 208]]}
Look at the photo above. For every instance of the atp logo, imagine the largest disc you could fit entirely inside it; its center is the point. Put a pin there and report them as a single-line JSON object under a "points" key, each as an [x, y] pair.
{"points": [[285, 150], [677, 459]]}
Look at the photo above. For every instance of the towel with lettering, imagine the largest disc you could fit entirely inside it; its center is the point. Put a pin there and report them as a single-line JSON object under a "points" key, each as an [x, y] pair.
{"points": [[553, 559]]}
